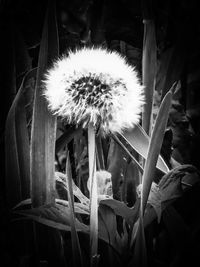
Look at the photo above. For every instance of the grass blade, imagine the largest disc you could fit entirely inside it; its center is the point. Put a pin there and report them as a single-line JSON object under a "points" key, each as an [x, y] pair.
{"points": [[76, 250], [93, 198], [43, 133], [148, 71], [17, 149], [154, 148], [140, 254], [139, 141], [127, 151]]}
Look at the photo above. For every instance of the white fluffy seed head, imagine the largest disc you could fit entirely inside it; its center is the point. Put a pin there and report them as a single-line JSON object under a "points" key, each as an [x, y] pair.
{"points": [[94, 85]]}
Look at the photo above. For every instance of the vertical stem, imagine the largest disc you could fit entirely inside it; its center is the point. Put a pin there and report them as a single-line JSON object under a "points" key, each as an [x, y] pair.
{"points": [[93, 197]]}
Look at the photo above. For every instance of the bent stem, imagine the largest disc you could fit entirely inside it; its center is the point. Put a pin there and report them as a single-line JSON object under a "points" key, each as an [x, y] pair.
{"points": [[93, 197]]}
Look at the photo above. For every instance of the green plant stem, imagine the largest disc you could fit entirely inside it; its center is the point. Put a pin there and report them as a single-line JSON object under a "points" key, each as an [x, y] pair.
{"points": [[93, 198]]}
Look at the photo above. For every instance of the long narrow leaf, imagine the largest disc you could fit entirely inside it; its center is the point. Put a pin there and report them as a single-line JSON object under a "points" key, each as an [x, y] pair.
{"points": [[140, 254], [17, 150], [76, 250], [127, 151], [154, 148], [43, 132], [53, 216], [139, 141], [60, 177], [148, 71]]}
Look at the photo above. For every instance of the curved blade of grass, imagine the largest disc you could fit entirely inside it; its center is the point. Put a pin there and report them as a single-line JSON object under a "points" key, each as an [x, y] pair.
{"points": [[43, 132], [148, 71], [93, 198], [78, 207], [17, 150], [76, 250], [140, 254], [54, 216], [154, 148], [139, 141]]}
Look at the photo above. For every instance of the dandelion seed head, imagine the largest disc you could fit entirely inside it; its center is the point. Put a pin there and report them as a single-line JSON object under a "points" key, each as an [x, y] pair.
{"points": [[94, 85]]}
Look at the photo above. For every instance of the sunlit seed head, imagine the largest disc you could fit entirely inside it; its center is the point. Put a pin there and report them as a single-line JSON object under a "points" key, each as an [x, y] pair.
{"points": [[94, 85]]}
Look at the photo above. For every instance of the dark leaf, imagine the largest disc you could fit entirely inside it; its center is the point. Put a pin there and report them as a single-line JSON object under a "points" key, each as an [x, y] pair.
{"points": [[43, 133], [17, 149], [53, 216]]}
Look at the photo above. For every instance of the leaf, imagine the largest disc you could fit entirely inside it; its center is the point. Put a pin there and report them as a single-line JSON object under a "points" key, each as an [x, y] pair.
{"points": [[127, 151], [120, 209], [43, 134], [76, 250], [52, 216], [140, 253], [154, 199], [116, 165], [149, 59], [122, 240], [154, 149], [78, 207], [107, 225], [171, 187], [23, 203], [61, 178], [17, 148], [139, 142]]}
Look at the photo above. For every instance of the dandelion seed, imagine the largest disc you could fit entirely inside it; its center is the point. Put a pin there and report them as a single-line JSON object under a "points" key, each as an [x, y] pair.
{"points": [[95, 86]]}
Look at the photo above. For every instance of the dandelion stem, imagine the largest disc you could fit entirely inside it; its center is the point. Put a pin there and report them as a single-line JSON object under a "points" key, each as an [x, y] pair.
{"points": [[93, 197]]}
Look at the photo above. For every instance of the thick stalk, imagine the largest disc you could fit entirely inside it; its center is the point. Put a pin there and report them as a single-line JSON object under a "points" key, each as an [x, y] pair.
{"points": [[93, 197]]}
